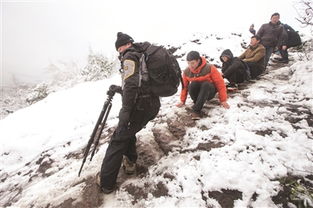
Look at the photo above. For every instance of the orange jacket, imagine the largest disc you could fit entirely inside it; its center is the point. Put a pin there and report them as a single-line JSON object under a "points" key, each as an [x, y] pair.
{"points": [[204, 73]]}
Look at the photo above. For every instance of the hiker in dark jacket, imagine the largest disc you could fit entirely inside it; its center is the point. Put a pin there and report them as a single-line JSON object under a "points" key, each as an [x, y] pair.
{"points": [[233, 69], [254, 57], [139, 106], [271, 36]]}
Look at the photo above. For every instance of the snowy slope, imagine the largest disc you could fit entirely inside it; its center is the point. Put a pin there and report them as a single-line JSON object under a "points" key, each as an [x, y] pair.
{"points": [[232, 157]]}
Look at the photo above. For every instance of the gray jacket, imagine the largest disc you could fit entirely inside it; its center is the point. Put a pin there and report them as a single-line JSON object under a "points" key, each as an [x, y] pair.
{"points": [[271, 34]]}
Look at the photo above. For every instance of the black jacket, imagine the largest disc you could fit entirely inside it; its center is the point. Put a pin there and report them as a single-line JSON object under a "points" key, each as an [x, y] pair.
{"points": [[131, 81], [291, 37], [233, 65]]}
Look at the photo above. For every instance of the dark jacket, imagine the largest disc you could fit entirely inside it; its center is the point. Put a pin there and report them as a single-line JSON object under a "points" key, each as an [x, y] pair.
{"points": [[233, 65], [271, 34], [131, 81], [290, 37]]}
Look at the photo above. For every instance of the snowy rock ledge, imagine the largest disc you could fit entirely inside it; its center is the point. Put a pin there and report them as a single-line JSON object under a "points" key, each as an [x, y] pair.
{"points": [[248, 156]]}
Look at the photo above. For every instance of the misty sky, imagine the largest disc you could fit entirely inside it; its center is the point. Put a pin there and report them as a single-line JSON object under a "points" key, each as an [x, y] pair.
{"points": [[39, 32]]}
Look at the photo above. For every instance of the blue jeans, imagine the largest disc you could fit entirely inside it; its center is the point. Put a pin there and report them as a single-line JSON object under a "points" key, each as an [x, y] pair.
{"points": [[268, 53], [284, 54]]}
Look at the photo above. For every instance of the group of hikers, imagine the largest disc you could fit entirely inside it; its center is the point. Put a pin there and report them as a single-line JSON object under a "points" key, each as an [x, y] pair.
{"points": [[201, 80]]}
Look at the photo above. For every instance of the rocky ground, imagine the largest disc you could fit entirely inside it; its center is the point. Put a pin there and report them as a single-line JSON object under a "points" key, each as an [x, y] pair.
{"points": [[167, 136], [256, 154]]}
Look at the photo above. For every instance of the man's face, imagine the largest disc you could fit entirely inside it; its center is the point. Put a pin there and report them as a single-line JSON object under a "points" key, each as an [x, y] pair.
{"points": [[193, 64], [254, 42], [275, 19], [123, 48]]}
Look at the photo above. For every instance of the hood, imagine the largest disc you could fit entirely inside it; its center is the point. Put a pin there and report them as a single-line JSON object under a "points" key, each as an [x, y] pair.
{"points": [[141, 46], [228, 54]]}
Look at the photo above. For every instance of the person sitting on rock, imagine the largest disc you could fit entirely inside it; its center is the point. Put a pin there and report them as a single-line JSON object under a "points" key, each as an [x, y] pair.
{"points": [[233, 69], [202, 80], [254, 57]]}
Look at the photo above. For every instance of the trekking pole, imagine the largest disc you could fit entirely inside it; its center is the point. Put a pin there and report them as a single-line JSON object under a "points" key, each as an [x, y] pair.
{"points": [[101, 129], [101, 121]]}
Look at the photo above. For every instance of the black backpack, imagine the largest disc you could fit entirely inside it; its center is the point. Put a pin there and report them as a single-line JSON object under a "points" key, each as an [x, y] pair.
{"points": [[160, 70], [294, 38]]}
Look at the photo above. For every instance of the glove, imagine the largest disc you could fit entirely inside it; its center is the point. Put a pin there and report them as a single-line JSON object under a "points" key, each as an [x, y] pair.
{"points": [[252, 30], [114, 89]]}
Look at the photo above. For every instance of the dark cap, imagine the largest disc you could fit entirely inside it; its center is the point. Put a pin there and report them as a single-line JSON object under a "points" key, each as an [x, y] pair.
{"points": [[275, 14], [193, 55], [122, 39]]}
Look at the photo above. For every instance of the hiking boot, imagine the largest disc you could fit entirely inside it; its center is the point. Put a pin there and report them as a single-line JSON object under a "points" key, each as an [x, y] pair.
{"points": [[104, 190], [277, 58], [232, 87], [281, 60], [129, 166], [187, 108], [195, 116]]}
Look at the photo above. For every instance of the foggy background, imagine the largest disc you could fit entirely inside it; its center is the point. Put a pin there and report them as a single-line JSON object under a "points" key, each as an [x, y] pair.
{"points": [[37, 33]]}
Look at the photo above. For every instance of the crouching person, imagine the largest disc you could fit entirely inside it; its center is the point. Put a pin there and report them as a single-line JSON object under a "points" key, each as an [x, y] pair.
{"points": [[202, 81], [254, 57], [233, 69]]}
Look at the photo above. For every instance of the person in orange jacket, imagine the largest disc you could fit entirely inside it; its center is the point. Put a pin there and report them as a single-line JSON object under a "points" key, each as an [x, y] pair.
{"points": [[202, 80]]}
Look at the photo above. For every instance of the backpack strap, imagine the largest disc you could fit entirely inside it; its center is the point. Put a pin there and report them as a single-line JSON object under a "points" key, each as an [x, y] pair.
{"points": [[143, 69]]}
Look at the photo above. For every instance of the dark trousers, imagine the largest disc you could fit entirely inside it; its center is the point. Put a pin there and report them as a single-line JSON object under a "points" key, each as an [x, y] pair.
{"points": [[268, 52], [236, 77], [255, 69], [201, 92], [284, 54], [123, 140]]}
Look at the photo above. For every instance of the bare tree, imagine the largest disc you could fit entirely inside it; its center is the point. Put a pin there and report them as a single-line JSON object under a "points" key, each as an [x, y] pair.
{"points": [[305, 12]]}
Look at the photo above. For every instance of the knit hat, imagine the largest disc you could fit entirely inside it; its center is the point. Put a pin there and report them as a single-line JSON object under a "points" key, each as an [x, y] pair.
{"points": [[193, 55], [122, 39]]}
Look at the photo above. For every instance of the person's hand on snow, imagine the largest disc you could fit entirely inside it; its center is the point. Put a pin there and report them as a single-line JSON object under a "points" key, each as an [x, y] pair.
{"points": [[181, 104], [225, 105]]}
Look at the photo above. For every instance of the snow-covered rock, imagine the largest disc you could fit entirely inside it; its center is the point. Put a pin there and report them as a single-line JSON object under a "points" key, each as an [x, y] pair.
{"points": [[234, 157]]}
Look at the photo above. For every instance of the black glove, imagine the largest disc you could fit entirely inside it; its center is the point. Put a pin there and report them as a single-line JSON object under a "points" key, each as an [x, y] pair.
{"points": [[252, 30], [114, 89]]}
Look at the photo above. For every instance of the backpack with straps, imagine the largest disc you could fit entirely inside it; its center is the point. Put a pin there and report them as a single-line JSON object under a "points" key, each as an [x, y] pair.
{"points": [[294, 38], [160, 69]]}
